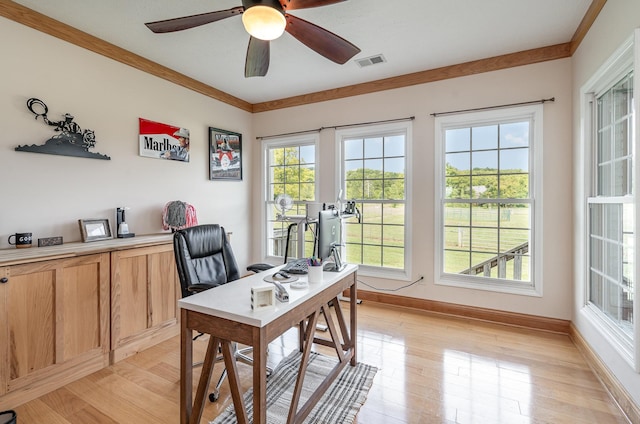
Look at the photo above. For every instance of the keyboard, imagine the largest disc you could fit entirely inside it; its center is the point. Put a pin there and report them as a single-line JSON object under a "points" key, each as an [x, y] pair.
{"points": [[298, 266]]}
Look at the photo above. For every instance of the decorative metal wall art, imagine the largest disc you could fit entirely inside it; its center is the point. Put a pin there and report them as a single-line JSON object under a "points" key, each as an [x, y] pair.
{"points": [[71, 140]]}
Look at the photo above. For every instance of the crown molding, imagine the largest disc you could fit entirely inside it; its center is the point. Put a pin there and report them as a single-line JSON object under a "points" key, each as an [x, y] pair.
{"points": [[527, 57], [588, 20]]}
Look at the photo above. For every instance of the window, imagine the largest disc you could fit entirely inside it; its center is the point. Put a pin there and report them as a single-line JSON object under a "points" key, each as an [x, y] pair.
{"points": [[489, 192], [290, 172], [611, 217], [373, 174], [611, 207]]}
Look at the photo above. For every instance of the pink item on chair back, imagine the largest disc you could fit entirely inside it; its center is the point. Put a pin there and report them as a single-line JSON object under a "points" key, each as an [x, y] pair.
{"points": [[177, 215]]}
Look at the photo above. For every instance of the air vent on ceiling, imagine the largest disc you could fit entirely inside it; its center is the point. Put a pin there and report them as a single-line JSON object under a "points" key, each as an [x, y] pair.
{"points": [[371, 60]]}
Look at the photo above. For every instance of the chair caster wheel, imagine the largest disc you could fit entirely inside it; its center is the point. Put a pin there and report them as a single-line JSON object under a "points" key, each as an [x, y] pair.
{"points": [[214, 396]]}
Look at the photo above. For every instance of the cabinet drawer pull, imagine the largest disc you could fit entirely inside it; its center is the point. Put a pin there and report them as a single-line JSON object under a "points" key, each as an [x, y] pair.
{"points": [[4, 280]]}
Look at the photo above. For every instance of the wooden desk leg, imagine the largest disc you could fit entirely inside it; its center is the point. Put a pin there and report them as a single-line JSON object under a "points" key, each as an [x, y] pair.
{"points": [[259, 377], [205, 379], [186, 369], [333, 331], [344, 330], [301, 330], [234, 382], [353, 321], [304, 362]]}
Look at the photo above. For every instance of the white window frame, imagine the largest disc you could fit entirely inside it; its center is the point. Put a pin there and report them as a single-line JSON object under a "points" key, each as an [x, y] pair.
{"points": [[281, 142], [379, 130], [625, 59], [495, 116]]}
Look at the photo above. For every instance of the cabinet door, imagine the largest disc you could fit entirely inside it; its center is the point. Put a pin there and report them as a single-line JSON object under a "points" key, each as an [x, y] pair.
{"points": [[144, 294], [164, 289], [53, 313]]}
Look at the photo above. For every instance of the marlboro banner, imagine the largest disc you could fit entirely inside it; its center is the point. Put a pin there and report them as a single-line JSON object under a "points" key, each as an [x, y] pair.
{"points": [[162, 141]]}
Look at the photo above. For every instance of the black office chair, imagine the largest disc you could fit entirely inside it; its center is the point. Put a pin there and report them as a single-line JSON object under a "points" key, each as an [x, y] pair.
{"points": [[204, 260], [8, 417]]}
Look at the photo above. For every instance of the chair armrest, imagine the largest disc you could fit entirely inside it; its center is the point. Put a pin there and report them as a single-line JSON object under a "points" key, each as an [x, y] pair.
{"points": [[197, 288], [259, 267]]}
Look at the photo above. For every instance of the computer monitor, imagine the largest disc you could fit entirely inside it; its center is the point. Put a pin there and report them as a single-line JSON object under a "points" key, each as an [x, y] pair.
{"points": [[330, 239]]}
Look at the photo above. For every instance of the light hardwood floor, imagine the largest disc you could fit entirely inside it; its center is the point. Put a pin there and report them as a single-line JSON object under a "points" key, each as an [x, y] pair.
{"points": [[432, 369]]}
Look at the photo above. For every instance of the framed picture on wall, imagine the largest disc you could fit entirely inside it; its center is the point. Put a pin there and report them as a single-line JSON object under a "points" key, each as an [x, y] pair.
{"points": [[225, 155], [163, 141]]}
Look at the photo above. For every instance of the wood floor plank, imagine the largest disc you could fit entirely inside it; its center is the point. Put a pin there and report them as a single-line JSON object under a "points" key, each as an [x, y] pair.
{"points": [[148, 379], [64, 402], [432, 369], [91, 415], [37, 411], [122, 409]]}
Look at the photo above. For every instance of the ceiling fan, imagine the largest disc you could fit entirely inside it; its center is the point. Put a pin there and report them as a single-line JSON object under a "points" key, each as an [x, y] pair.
{"points": [[266, 20]]}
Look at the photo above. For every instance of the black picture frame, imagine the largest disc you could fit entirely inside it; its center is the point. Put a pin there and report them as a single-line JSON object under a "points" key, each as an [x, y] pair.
{"points": [[225, 155]]}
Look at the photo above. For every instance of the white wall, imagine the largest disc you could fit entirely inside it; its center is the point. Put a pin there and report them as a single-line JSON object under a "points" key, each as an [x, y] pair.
{"points": [[614, 25], [47, 194], [550, 79]]}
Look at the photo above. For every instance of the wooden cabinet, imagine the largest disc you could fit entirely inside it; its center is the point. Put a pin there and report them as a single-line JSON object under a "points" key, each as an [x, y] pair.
{"points": [[144, 294], [70, 310], [54, 324]]}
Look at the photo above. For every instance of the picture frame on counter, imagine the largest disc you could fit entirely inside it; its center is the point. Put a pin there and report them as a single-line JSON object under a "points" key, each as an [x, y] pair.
{"points": [[94, 229]]}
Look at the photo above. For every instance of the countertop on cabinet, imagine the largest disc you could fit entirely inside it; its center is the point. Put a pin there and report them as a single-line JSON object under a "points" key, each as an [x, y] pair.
{"points": [[15, 256]]}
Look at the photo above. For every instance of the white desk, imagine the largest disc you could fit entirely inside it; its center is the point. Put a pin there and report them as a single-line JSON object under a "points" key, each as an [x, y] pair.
{"points": [[225, 313]]}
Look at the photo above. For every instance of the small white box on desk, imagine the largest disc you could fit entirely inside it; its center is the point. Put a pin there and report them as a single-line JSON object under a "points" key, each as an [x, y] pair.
{"points": [[263, 296]]}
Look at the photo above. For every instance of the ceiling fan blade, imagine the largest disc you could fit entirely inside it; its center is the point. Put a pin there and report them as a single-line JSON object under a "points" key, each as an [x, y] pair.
{"points": [[257, 62], [186, 22], [305, 4], [326, 43]]}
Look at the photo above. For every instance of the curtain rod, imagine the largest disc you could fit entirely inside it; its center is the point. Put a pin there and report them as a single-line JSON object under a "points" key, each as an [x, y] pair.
{"points": [[532, 102], [335, 127]]}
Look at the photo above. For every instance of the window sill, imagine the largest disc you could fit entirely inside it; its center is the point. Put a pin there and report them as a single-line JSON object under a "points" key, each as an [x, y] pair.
{"points": [[614, 336], [384, 273], [494, 285]]}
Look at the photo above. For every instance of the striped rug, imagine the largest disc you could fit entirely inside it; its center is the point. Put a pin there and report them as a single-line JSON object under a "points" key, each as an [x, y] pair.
{"points": [[339, 404]]}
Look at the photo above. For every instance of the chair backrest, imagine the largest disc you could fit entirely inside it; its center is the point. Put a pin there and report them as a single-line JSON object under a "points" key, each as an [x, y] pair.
{"points": [[204, 258]]}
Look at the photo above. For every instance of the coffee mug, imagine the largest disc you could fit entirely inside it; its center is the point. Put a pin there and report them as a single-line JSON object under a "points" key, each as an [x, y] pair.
{"points": [[22, 240]]}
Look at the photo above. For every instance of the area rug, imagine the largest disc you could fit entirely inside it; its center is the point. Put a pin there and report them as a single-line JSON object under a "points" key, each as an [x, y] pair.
{"points": [[339, 404]]}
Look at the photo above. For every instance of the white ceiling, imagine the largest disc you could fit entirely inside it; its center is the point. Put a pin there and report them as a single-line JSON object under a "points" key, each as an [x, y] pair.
{"points": [[413, 35]]}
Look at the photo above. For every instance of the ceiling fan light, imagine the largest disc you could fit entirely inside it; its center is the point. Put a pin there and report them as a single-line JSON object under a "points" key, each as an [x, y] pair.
{"points": [[264, 22]]}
